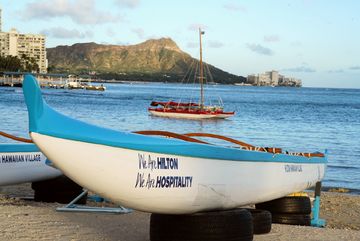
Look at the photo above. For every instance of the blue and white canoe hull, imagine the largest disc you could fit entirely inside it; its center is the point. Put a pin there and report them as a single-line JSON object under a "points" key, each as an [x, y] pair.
{"points": [[162, 175], [181, 185], [22, 163]]}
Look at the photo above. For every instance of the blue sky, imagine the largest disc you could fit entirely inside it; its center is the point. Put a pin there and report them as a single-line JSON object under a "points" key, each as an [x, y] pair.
{"points": [[315, 41]]}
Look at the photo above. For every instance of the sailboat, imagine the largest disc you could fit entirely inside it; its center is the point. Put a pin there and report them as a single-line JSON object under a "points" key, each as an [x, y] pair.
{"points": [[190, 110]]}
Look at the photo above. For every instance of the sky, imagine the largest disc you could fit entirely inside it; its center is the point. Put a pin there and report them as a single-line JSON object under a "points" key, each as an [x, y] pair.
{"points": [[313, 40]]}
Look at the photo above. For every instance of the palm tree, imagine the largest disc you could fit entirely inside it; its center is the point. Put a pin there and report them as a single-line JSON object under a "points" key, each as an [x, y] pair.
{"points": [[51, 68], [13, 63]]}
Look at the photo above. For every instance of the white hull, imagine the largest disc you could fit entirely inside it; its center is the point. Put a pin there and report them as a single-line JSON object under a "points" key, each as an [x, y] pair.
{"points": [[181, 115], [129, 178], [24, 166], [223, 116]]}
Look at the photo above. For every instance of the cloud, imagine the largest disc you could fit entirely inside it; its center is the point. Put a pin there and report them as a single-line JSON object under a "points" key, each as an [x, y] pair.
{"points": [[300, 69], [122, 43], [63, 33], [127, 3], [154, 37], [192, 45], [259, 49], [271, 38], [89, 33], [81, 12], [140, 32], [215, 44], [336, 71], [297, 44], [355, 68], [232, 6], [196, 26], [110, 32]]}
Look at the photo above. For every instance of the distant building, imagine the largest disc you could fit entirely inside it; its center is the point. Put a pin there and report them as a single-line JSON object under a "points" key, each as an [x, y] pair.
{"points": [[284, 81], [252, 79], [264, 80], [272, 78], [15, 44]]}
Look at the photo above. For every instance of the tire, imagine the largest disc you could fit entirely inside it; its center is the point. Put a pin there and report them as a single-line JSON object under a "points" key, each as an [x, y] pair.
{"points": [[223, 225], [292, 219], [261, 220], [62, 183], [290, 205], [59, 196]]}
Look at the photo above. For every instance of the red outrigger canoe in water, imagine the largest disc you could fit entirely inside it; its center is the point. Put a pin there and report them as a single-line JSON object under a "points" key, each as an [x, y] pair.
{"points": [[190, 110]]}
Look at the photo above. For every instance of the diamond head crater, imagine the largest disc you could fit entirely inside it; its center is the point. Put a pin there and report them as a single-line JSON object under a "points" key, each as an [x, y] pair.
{"points": [[155, 60]]}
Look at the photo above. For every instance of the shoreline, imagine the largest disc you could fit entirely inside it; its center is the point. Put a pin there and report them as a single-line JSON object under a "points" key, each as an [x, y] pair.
{"points": [[351, 192], [26, 219]]}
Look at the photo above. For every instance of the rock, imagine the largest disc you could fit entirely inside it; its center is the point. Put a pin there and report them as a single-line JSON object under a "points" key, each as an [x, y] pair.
{"points": [[340, 190]]}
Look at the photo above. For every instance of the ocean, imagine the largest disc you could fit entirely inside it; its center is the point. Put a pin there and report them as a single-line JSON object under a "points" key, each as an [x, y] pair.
{"points": [[294, 119]]}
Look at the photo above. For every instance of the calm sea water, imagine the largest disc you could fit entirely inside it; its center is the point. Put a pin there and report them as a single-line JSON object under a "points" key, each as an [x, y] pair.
{"points": [[294, 119]]}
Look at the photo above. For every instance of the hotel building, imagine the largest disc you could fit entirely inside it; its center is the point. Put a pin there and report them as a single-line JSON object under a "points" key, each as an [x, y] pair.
{"points": [[15, 43], [272, 78]]}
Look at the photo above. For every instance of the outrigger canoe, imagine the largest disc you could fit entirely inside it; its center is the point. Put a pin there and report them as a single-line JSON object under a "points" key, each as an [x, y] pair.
{"points": [[165, 175], [21, 163]]}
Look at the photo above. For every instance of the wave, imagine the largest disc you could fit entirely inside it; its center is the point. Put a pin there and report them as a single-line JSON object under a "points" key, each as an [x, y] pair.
{"points": [[343, 167]]}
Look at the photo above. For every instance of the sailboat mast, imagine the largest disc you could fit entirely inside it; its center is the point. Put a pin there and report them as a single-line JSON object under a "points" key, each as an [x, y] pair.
{"points": [[201, 72]]}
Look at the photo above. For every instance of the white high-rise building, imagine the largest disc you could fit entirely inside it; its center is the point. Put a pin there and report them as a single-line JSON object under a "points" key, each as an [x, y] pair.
{"points": [[15, 44], [0, 19]]}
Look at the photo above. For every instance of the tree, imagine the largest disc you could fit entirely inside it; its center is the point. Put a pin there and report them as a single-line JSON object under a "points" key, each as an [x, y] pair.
{"points": [[29, 64], [10, 63], [51, 69]]}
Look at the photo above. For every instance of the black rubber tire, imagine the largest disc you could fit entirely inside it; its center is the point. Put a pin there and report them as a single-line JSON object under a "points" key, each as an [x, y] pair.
{"points": [[59, 196], [62, 183], [261, 220], [222, 225], [291, 219], [290, 205]]}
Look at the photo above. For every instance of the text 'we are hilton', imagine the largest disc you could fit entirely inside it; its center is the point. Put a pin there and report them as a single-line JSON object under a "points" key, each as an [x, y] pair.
{"points": [[146, 181]]}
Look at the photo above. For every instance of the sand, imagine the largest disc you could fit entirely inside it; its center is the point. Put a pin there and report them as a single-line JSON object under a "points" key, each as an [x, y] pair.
{"points": [[22, 219]]}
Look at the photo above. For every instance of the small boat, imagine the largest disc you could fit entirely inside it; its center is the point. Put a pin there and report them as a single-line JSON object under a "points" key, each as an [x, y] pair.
{"points": [[22, 163], [94, 87], [177, 175], [191, 110]]}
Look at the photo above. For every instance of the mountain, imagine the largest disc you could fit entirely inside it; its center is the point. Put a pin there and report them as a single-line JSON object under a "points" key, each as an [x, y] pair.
{"points": [[147, 61]]}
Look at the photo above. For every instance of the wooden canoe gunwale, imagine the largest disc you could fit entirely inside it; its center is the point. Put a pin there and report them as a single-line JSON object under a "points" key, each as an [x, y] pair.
{"points": [[187, 137]]}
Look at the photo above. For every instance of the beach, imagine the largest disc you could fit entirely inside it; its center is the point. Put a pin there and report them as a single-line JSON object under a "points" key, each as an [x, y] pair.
{"points": [[24, 219]]}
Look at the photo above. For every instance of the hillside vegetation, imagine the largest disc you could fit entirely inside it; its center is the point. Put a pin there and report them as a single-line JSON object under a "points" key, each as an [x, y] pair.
{"points": [[156, 60]]}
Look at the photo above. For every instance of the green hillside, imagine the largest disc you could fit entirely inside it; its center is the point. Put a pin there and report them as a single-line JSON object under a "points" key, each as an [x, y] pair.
{"points": [[156, 60]]}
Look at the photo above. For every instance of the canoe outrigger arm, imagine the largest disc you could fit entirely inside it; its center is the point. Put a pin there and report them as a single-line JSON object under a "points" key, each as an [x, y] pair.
{"points": [[244, 146]]}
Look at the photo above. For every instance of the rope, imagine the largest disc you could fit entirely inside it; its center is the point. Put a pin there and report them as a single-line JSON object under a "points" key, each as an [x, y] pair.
{"points": [[15, 138]]}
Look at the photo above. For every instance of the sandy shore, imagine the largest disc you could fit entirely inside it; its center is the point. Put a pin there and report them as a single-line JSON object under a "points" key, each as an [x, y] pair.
{"points": [[28, 220]]}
